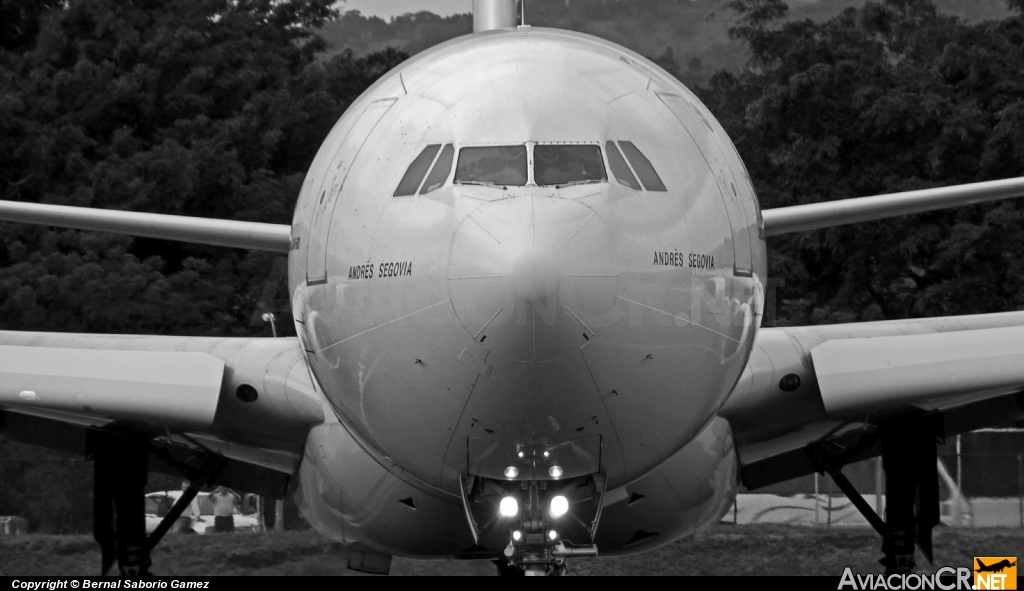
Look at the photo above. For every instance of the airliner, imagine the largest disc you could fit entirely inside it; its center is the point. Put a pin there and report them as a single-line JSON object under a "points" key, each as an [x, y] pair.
{"points": [[527, 270]]}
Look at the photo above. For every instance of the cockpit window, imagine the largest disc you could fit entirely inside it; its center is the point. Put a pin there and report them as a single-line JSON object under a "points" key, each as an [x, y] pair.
{"points": [[620, 169], [411, 181], [562, 165], [492, 165], [648, 176], [439, 174]]}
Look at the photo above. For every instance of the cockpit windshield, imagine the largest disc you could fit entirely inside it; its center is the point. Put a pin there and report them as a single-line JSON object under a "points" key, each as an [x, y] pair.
{"points": [[568, 164], [492, 165]]}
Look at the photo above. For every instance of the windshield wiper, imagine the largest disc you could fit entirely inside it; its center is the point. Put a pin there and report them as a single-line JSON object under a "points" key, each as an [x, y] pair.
{"points": [[585, 182], [481, 184]]}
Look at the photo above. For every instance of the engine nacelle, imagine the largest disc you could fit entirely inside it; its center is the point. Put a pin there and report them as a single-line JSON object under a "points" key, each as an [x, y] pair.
{"points": [[686, 494], [349, 496]]}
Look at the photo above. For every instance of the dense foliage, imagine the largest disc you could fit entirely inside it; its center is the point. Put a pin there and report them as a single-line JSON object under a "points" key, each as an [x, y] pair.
{"points": [[210, 108], [892, 96], [689, 38]]}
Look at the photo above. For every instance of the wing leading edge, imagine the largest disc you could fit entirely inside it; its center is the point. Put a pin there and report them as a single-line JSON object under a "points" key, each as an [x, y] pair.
{"points": [[813, 216], [277, 237], [249, 235]]}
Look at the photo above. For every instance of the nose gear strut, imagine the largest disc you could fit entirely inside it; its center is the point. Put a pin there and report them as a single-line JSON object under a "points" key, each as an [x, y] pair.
{"points": [[534, 539], [539, 551]]}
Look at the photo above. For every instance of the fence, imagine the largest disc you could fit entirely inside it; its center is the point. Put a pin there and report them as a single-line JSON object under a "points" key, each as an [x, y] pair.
{"points": [[981, 484], [981, 481]]}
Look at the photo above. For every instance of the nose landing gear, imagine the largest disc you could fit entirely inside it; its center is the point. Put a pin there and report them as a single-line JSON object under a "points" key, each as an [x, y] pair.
{"points": [[538, 560], [534, 522]]}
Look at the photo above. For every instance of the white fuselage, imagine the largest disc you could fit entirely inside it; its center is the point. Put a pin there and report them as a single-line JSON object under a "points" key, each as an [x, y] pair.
{"points": [[448, 327]]}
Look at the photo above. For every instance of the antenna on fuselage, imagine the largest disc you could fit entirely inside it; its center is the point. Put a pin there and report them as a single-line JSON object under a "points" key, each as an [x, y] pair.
{"points": [[493, 14]]}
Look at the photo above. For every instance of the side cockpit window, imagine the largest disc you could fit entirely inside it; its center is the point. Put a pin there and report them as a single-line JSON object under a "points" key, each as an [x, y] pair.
{"points": [[648, 176], [439, 174], [620, 169], [414, 176], [637, 162], [568, 164], [413, 179], [492, 165]]}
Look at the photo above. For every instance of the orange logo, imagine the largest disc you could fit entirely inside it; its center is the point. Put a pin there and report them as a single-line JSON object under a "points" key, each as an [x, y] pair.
{"points": [[995, 572]]}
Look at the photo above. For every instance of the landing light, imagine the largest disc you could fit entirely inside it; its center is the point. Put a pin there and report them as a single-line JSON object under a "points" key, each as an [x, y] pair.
{"points": [[509, 507], [559, 506], [552, 535], [511, 472], [517, 535], [555, 471]]}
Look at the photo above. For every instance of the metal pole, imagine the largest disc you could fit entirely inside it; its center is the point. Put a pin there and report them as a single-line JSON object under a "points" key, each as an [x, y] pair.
{"points": [[1020, 486], [959, 466], [960, 484], [269, 317], [878, 485], [279, 505], [828, 524], [817, 501], [735, 510]]}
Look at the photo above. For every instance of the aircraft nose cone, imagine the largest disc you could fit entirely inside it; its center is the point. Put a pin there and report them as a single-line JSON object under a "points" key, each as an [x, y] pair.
{"points": [[533, 278]]}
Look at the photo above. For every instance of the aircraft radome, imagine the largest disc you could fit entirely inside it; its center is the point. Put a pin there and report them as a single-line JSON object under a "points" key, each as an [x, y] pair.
{"points": [[527, 269]]}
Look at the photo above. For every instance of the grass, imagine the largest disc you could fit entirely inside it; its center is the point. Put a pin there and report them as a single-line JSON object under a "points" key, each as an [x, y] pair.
{"points": [[725, 550]]}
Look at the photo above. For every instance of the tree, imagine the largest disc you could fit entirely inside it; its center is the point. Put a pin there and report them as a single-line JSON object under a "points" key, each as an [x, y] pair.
{"points": [[892, 96], [19, 22], [210, 108]]}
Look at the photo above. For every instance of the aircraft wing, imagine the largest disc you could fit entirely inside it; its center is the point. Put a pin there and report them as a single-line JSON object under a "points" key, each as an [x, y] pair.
{"points": [[252, 401], [813, 216], [847, 373], [277, 237], [250, 235], [825, 384]]}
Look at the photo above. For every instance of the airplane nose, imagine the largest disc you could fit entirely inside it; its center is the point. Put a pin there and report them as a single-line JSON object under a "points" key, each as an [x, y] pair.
{"points": [[533, 278]]}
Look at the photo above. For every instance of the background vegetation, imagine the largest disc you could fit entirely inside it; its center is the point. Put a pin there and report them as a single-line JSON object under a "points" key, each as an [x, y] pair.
{"points": [[210, 108], [215, 108], [892, 96], [688, 37]]}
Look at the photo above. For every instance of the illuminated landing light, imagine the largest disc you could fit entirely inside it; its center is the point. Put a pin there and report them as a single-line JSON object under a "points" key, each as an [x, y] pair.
{"points": [[559, 506], [509, 507], [546, 454], [517, 535], [552, 535], [555, 471], [521, 454], [511, 472]]}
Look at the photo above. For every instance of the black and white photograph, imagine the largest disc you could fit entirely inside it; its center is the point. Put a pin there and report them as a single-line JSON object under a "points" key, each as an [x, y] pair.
{"points": [[511, 287]]}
